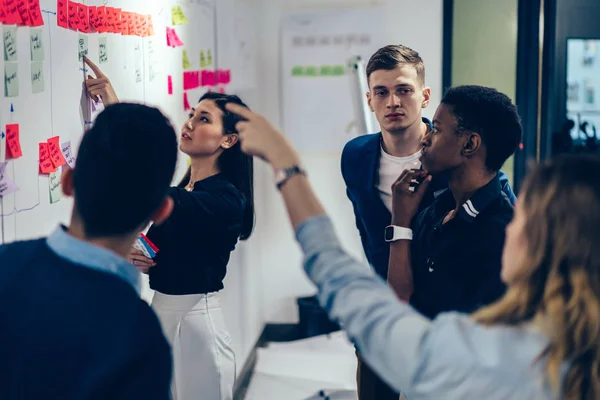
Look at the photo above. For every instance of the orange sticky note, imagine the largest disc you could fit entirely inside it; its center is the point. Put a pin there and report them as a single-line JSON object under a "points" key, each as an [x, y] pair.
{"points": [[23, 9], [35, 13], [73, 16], [56, 156], [13, 143], [62, 10], [46, 165]]}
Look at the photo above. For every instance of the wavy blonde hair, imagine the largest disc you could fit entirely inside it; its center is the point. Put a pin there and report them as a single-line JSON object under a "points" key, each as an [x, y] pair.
{"points": [[560, 283]]}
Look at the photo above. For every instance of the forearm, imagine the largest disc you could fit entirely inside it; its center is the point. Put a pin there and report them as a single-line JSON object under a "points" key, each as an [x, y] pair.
{"points": [[399, 269]]}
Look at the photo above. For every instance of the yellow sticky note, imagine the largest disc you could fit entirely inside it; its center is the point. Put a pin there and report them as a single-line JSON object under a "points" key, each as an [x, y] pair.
{"points": [[186, 61], [202, 59], [177, 16], [209, 60]]}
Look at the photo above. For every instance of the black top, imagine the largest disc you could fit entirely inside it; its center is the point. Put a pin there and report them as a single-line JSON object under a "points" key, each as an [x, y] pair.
{"points": [[195, 242], [72, 332], [456, 265]]}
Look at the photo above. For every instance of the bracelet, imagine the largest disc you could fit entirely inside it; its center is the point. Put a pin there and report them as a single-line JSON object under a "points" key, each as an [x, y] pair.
{"points": [[284, 175]]}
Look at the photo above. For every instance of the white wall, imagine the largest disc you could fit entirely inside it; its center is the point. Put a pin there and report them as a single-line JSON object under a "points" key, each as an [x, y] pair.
{"points": [[416, 24]]}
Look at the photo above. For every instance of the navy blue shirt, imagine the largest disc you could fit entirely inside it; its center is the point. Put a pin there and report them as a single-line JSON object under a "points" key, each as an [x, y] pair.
{"points": [[197, 239], [72, 325], [456, 266]]}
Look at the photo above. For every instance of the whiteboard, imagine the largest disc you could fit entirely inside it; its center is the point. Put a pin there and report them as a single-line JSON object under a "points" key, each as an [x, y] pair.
{"points": [[315, 47], [61, 109]]}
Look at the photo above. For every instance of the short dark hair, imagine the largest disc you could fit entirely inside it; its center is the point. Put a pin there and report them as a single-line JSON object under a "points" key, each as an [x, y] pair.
{"points": [[394, 55], [123, 170], [236, 165], [492, 115]]}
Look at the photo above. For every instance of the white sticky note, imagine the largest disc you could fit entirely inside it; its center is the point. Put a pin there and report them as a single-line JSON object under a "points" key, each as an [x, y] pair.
{"points": [[102, 50], [137, 54], [10, 43], [82, 46], [36, 44], [11, 79], [37, 77], [68, 153]]}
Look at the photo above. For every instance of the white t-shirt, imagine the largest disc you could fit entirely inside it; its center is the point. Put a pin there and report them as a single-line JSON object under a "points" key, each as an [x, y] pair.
{"points": [[390, 168]]}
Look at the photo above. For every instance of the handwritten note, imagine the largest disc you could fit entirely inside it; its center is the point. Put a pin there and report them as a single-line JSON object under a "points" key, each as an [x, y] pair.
{"points": [[56, 155], [154, 61], [82, 46], [202, 59], [84, 18], [55, 187], [68, 153], [46, 165], [101, 11], [13, 17], [186, 60], [37, 77], [35, 13], [137, 55], [177, 16], [173, 39], [73, 16], [13, 142], [7, 186], [186, 102], [10, 43], [11, 79], [102, 50], [62, 13], [170, 84], [36, 44], [93, 13], [191, 80], [22, 7]]}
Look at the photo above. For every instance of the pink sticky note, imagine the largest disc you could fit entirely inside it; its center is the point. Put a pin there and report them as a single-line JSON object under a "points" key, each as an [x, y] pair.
{"points": [[170, 84], [186, 103], [222, 90]]}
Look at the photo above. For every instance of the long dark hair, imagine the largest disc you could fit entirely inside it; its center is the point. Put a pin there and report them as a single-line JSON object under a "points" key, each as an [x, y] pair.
{"points": [[236, 165]]}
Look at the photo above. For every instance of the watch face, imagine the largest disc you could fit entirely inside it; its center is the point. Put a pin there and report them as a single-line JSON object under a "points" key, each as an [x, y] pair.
{"points": [[389, 233]]}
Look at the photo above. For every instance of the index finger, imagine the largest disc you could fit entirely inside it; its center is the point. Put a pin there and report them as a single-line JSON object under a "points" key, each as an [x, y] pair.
{"points": [[94, 67], [242, 111]]}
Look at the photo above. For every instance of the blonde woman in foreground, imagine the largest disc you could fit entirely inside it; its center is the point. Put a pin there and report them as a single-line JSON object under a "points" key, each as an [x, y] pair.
{"points": [[540, 341]]}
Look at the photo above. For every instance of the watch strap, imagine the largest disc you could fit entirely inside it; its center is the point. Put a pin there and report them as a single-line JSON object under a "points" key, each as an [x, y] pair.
{"points": [[284, 174]]}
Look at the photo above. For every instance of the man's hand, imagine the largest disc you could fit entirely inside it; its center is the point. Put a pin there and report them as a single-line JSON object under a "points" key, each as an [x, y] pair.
{"points": [[407, 194], [100, 87], [141, 262]]}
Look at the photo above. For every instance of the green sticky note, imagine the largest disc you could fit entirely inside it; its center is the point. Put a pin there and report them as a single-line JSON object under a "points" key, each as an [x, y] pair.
{"points": [[55, 187], [298, 70], [209, 60], [10, 43], [338, 70], [311, 71], [82, 46], [11, 79], [37, 77], [186, 61], [326, 70], [202, 59], [102, 50], [177, 16], [36, 44]]}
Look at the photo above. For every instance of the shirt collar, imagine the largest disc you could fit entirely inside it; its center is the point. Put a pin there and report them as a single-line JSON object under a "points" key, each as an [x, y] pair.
{"points": [[476, 204], [210, 182], [85, 254]]}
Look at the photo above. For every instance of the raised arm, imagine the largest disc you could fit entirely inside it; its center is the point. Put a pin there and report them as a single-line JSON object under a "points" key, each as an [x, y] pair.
{"points": [[100, 86]]}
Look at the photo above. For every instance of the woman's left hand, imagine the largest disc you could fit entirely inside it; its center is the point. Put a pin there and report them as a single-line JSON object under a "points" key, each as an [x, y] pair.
{"points": [[140, 261]]}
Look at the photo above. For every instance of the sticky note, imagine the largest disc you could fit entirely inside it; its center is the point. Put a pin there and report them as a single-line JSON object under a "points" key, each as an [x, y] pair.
{"points": [[82, 49], [13, 17], [209, 78], [186, 103], [169, 84], [54, 187], [68, 153], [37, 77], [73, 16], [62, 13], [2, 14], [311, 71], [7, 186], [110, 19], [93, 17], [35, 13], [338, 70], [209, 58], [117, 20], [10, 43], [101, 11], [46, 165], [84, 18], [138, 60], [102, 50], [150, 26], [125, 18], [177, 16], [36, 44], [175, 40], [13, 142], [11, 79], [297, 70], [202, 59], [56, 155], [186, 60], [23, 8]]}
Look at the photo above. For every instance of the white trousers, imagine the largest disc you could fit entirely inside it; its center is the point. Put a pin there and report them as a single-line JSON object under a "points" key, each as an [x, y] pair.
{"points": [[203, 360]]}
